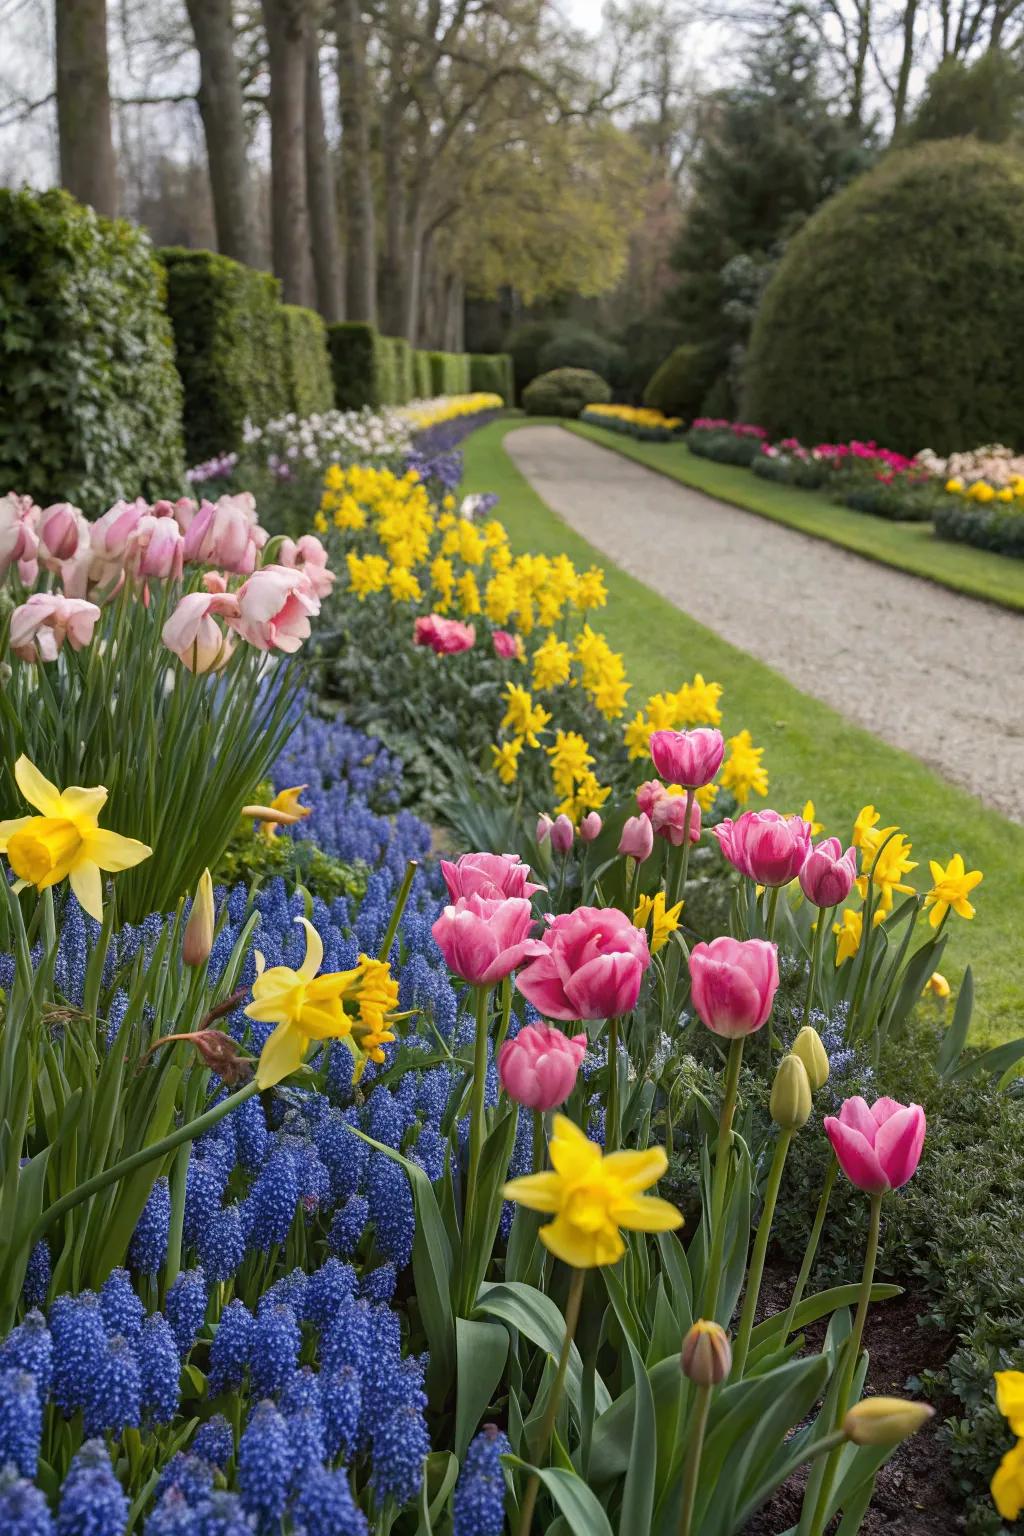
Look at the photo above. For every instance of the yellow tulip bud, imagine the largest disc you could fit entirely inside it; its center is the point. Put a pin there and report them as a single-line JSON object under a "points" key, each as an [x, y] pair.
{"points": [[814, 1056], [885, 1420], [790, 1101], [199, 929], [707, 1354]]}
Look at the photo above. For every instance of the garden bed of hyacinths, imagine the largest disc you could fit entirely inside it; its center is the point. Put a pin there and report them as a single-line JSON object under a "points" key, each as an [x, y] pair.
{"points": [[348, 1188]]}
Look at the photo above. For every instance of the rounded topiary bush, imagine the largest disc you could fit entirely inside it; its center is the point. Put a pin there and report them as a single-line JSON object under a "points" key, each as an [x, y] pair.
{"points": [[897, 311], [564, 392], [576, 347], [680, 384]]}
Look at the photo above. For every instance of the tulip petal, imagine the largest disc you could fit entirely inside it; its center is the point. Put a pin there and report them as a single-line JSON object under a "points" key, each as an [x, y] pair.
{"points": [[541, 984], [883, 1109], [37, 790], [856, 1114], [113, 852], [280, 1057], [856, 1156], [88, 887], [314, 957], [899, 1142], [537, 1191], [637, 1170]]}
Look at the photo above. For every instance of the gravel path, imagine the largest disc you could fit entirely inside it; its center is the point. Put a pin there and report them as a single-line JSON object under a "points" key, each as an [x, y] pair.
{"points": [[925, 669]]}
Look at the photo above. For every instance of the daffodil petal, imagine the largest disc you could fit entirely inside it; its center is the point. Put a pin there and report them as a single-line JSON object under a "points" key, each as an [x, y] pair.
{"points": [[86, 803], [280, 1057], [648, 1213], [113, 852], [8, 829], [537, 1191], [314, 951], [637, 1170], [88, 887], [38, 791]]}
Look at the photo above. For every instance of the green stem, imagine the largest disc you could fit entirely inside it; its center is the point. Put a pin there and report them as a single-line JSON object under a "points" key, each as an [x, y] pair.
{"points": [[773, 911], [713, 1278], [812, 981], [677, 883], [477, 1129], [612, 1137], [572, 1316], [694, 1452], [810, 1252], [158, 1149], [540, 1144], [850, 1357], [179, 1184], [756, 1270], [764, 1493], [399, 908], [506, 1014]]}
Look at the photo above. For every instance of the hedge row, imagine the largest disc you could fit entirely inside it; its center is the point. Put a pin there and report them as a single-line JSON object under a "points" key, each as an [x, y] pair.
{"points": [[996, 526], [371, 369]]}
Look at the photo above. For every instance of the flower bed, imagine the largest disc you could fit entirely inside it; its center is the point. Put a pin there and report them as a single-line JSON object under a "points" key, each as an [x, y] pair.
{"points": [[987, 512], [727, 442], [636, 421]]}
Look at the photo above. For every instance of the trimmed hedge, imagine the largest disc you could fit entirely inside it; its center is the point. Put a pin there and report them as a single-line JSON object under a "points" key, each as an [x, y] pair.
{"points": [[360, 365], [421, 375], [679, 385], [90, 402], [897, 310], [401, 370], [449, 373], [228, 335], [565, 392], [490, 373], [307, 363]]}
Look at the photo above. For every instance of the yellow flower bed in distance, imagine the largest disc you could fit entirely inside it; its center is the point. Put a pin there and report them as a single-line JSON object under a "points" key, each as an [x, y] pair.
{"points": [[421, 414], [636, 420]]}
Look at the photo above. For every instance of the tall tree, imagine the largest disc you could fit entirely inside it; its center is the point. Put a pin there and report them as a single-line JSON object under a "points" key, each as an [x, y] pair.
{"points": [[356, 171], [221, 108], [286, 23], [88, 168], [321, 193]]}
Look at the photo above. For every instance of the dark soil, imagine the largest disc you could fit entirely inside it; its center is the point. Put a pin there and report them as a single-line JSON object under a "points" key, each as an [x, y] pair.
{"points": [[914, 1493]]}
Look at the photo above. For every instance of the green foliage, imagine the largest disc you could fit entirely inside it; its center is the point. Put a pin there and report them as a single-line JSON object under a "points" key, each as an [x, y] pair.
{"points": [[310, 390], [421, 375], [984, 98], [491, 373], [252, 857], [680, 384], [574, 346], [90, 403], [523, 344], [724, 445], [995, 526], [644, 345], [449, 373], [228, 338], [565, 392], [879, 322], [359, 365], [401, 370]]}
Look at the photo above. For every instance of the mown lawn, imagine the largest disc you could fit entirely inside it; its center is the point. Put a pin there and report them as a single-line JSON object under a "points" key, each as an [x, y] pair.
{"points": [[907, 546], [812, 752]]}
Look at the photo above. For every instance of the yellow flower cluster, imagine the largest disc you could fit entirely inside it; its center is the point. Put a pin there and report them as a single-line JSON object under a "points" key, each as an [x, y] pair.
{"points": [[982, 492], [1007, 1484], [573, 776], [695, 703], [448, 408], [634, 416]]}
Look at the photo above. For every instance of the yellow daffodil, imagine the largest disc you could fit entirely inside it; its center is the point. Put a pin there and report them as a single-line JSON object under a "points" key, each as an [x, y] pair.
{"points": [[1007, 1484], [807, 814], [377, 998], [551, 663], [522, 716], [937, 985], [848, 935], [705, 797], [66, 840], [1010, 1398], [283, 811], [664, 922], [505, 760], [592, 1196], [697, 704], [304, 1005], [743, 771], [951, 888]]}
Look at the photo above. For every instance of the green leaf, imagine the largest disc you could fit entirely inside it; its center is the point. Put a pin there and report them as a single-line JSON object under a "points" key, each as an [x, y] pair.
{"points": [[810, 1310], [955, 1037], [440, 1473], [577, 1503], [481, 1351], [537, 1316], [1000, 1058], [638, 1490]]}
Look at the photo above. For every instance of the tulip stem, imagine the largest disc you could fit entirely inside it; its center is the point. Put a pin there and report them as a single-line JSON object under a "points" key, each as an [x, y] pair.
{"points": [[850, 1357], [478, 1111], [399, 908], [713, 1277], [812, 979], [764, 1493], [810, 1252], [755, 1273], [612, 1129], [572, 1317], [694, 1452], [773, 911], [677, 884]]}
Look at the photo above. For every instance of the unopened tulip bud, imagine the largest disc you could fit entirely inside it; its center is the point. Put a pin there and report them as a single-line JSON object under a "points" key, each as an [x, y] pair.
{"points": [[562, 834], [814, 1056], [590, 827], [790, 1101], [544, 825], [199, 929], [637, 838], [707, 1354], [885, 1420]]}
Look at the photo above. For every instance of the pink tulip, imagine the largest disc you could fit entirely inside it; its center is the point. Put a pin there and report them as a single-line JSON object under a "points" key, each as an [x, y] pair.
{"points": [[637, 838], [879, 1147], [766, 847], [483, 940], [544, 825], [274, 607], [669, 819], [445, 637], [226, 533], [827, 876], [562, 834], [110, 533], [689, 758], [590, 827], [508, 647], [591, 966], [193, 634], [62, 528], [19, 537], [183, 511], [538, 1068], [648, 794], [733, 984], [42, 624], [309, 557], [492, 875], [155, 550]]}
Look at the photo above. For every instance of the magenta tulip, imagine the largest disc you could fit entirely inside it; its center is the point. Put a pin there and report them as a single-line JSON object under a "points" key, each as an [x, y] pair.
{"points": [[538, 1068], [562, 834], [766, 847], [508, 647], [590, 827], [445, 637], [668, 819], [492, 875], [733, 984], [879, 1147], [591, 966], [689, 758], [637, 838], [484, 940], [827, 876]]}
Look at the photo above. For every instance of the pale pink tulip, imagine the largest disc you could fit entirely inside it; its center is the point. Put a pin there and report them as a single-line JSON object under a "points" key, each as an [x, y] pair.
{"points": [[591, 966], [40, 626], [183, 511], [110, 533], [482, 940], [878, 1147], [308, 556], [492, 875], [62, 528], [19, 537], [689, 758], [226, 533], [668, 818], [637, 838], [193, 634], [274, 607], [766, 847], [590, 827], [562, 834], [828, 873], [733, 984], [544, 825], [538, 1068], [155, 550], [648, 794]]}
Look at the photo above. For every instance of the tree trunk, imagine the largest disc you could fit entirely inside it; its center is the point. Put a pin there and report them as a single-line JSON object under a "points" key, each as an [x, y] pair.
{"points": [[393, 264], [414, 270], [286, 25], [856, 112], [323, 202], [220, 106], [356, 179], [88, 168], [906, 64]]}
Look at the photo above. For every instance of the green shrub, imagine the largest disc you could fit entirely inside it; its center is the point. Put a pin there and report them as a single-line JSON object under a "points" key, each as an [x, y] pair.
{"points": [[575, 346], [449, 373], [726, 444], [229, 340], [680, 384], [358, 364], [90, 403], [523, 344], [401, 366], [896, 311], [422, 376], [994, 526], [490, 373], [645, 345], [565, 392], [308, 365], [719, 400]]}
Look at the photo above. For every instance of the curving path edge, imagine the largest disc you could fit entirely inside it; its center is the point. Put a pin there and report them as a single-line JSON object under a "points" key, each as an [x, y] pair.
{"points": [[925, 669]]}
